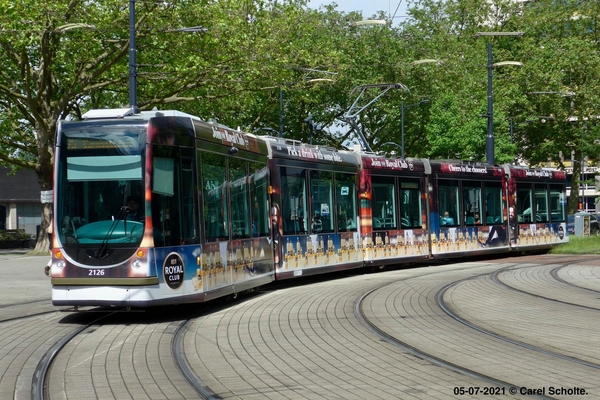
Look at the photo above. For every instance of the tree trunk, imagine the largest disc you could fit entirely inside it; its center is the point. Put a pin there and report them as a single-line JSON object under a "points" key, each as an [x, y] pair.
{"points": [[42, 245]]}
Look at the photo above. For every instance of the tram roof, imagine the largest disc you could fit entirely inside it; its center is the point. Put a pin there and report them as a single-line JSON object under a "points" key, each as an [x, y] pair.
{"points": [[303, 152], [536, 173], [380, 162], [129, 113]]}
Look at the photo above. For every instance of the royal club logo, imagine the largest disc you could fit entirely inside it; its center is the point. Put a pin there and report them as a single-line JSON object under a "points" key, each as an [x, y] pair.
{"points": [[173, 271]]}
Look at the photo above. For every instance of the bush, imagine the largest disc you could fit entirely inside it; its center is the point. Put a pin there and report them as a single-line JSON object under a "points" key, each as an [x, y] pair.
{"points": [[10, 238]]}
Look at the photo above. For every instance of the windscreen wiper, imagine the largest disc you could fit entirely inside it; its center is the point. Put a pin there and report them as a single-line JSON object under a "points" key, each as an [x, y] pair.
{"points": [[102, 250]]}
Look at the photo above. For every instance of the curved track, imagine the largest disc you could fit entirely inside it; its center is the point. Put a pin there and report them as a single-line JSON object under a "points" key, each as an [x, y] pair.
{"points": [[527, 323], [308, 343]]}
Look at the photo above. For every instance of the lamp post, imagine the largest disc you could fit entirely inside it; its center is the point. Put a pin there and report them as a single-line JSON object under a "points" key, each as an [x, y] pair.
{"points": [[133, 52], [132, 59], [583, 206], [402, 120], [489, 147]]}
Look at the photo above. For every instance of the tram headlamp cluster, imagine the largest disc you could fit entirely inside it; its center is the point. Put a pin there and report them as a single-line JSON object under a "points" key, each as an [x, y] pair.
{"points": [[60, 263], [137, 263]]}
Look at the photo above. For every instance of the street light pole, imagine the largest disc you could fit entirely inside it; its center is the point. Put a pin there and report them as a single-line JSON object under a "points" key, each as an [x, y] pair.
{"points": [[132, 59], [489, 144], [583, 207], [281, 112], [402, 130], [133, 54]]}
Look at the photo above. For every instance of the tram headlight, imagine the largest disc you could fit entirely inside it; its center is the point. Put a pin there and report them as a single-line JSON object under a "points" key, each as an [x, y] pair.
{"points": [[136, 264], [60, 264]]}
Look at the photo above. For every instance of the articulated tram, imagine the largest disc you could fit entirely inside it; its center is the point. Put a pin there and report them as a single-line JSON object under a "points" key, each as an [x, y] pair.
{"points": [[160, 207]]}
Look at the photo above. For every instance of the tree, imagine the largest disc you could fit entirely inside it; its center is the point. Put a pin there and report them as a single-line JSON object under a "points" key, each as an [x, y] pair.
{"points": [[562, 42], [64, 57], [61, 58]]}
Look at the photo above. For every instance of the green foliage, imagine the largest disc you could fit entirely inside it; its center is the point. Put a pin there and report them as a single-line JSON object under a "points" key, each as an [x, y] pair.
{"points": [[579, 245], [7, 235], [60, 59]]}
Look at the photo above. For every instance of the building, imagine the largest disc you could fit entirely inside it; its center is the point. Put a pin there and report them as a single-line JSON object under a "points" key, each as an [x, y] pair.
{"points": [[20, 205], [588, 192]]}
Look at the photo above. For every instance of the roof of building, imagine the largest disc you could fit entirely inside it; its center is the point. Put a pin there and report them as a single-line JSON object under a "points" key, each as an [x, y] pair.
{"points": [[21, 187]]}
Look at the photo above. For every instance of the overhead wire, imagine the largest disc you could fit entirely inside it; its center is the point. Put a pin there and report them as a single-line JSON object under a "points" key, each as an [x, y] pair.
{"points": [[397, 8]]}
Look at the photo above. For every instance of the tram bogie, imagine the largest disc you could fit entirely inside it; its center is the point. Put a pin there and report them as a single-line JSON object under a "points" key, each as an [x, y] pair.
{"points": [[220, 212]]}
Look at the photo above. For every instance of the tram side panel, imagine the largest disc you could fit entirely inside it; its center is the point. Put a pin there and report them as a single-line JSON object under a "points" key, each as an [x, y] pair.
{"points": [[468, 209], [393, 211], [537, 208], [314, 209], [237, 252]]}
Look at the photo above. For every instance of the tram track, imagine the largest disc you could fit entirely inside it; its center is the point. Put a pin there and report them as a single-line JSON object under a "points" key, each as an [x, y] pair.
{"points": [[443, 359], [155, 352], [442, 304], [156, 332], [554, 273], [177, 348], [373, 327], [39, 382]]}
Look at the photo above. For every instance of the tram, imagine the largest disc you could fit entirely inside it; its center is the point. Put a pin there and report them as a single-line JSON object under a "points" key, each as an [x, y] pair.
{"points": [[161, 207]]}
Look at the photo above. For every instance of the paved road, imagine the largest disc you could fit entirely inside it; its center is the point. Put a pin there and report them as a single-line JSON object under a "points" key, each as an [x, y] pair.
{"points": [[531, 322], [22, 281]]}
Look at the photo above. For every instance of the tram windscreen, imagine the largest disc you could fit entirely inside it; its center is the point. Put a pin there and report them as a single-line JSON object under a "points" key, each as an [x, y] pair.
{"points": [[99, 188]]}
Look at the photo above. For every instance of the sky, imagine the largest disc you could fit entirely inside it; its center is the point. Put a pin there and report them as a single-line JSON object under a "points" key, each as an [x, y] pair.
{"points": [[368, 7]]}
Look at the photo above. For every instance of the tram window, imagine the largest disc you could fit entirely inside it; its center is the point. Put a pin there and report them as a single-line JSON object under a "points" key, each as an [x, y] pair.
{"points": [[524, 203], [345, 191], [173, 215], [557, 203], [293, 200], [448, 202], [494, 206], [471, 197], [410, 204], [188, 189], [541, 203], [384, 203], [238, 183], [259, 199], [215, 211], [162, 180], [322, 201]]}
